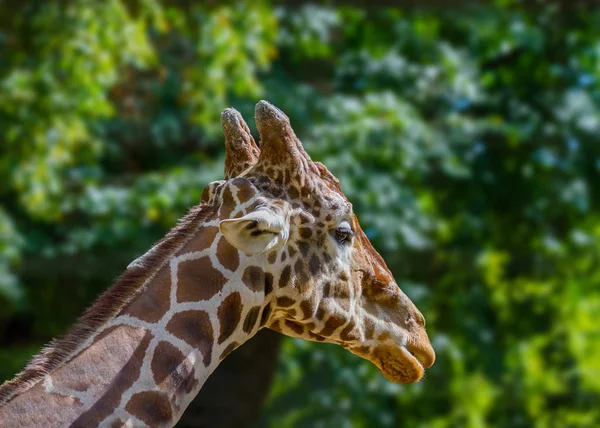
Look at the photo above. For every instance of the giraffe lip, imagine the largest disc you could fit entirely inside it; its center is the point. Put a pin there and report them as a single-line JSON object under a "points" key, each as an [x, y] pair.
{"points": [[398, 364], [423, 353], [414, 356]]}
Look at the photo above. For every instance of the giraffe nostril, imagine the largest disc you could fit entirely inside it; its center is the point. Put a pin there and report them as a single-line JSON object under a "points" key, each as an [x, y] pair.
{"points": [[414, 320]]}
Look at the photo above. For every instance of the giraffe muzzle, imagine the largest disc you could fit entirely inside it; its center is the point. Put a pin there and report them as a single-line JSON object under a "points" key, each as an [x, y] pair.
{"points": [[422, 351], [398, 364], [404, 361]]}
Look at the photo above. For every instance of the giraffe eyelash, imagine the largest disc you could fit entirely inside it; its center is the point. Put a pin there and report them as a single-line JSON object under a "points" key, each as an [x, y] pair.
{"points": [[343, 233], [261, 232]]}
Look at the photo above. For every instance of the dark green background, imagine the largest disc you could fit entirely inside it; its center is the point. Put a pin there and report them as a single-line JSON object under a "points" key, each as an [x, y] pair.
{"points": [[467, 138]]}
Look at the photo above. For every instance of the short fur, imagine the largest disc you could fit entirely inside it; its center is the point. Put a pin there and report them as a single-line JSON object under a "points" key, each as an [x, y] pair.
{"points": [[125, 288]]}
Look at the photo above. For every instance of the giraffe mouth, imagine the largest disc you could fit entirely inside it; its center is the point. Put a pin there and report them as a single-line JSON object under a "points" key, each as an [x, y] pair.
{"points": [[423, 353], [399, 364]]}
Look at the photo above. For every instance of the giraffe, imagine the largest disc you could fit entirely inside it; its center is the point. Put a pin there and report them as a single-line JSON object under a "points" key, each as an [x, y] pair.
{"points": [[275, 244]]}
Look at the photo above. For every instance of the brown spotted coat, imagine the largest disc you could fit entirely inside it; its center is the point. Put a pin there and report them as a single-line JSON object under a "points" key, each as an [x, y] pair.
{"points": [[142, 352]]}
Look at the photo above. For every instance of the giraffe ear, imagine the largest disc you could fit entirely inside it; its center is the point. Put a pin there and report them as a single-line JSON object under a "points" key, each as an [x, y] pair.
{"points": [[256, 232]]}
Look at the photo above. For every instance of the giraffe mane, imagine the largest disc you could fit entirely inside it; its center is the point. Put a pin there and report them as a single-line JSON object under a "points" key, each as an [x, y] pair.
{"points": [[127, 286]]}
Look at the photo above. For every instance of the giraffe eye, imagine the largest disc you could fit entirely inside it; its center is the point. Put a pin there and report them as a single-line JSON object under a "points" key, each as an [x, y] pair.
{"points": [[343, 233]]}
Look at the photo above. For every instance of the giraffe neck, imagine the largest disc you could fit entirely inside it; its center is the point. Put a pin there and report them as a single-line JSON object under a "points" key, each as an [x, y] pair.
{"points": [[144, 365]]}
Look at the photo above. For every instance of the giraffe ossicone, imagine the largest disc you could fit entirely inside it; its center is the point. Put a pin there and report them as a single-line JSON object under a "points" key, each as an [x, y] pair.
{"points": [[276, 244]]}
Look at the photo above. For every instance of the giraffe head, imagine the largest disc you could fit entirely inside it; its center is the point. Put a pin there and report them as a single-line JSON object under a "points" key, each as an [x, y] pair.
{"points": [[298, 239]]}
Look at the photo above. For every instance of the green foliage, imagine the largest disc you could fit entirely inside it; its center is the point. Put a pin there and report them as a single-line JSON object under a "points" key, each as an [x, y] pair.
{"points": [[467, 140]]}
